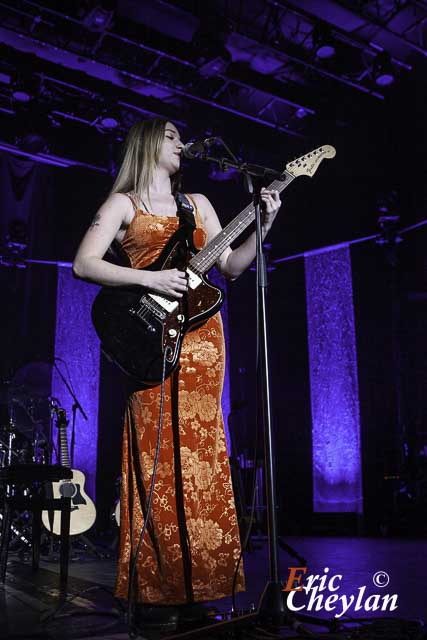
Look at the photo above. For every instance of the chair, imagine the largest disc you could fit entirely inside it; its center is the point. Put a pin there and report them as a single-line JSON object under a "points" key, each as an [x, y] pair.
{"points": [[34, 477]]}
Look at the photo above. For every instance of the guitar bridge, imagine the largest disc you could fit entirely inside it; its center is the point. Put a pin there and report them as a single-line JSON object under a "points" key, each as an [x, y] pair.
{"points": [[146, 310]]}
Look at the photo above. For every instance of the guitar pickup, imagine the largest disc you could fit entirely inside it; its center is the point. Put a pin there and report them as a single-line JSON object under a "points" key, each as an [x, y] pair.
{"points": [[168, 305], [193, 279]]}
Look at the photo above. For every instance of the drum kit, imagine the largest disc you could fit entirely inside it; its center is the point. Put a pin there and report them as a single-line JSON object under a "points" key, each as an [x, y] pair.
{"points": [[27, 412]]}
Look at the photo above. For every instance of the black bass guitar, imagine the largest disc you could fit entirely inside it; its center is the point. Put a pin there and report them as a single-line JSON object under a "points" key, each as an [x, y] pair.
{"points": [[135, 326]]}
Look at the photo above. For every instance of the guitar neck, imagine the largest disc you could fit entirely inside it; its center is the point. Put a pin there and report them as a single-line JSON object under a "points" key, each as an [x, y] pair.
{"points": [[208, 256], [62, 435]]}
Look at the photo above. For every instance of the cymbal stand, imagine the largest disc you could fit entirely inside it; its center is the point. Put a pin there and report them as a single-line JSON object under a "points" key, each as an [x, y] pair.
{"points": [[11, 435], [10, 438]]}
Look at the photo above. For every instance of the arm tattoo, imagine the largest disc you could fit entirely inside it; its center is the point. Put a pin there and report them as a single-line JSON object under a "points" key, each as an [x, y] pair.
{"points": [[95, 221]]}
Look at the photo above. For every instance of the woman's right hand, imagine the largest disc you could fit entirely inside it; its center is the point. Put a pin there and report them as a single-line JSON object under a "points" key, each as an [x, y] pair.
{"points": [[170, 282]]}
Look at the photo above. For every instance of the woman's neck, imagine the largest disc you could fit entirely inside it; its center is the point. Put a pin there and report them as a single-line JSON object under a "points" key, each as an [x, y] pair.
{"points": [[161, 184]]}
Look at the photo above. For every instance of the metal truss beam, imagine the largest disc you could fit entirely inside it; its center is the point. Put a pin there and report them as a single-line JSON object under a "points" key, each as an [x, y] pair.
{"points": [[28, 43], [377, 23]]}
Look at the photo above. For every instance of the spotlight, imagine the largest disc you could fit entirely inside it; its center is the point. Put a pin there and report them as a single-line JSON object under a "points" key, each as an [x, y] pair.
{"points": [[109, 120], [301, 113], [98, 19], [382, 70], [323, 43], [20, 92], [24, 86]]}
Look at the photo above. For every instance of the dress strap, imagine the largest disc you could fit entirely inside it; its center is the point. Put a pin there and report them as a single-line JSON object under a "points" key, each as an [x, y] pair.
{"points": [[132, 197], [136, 201]]}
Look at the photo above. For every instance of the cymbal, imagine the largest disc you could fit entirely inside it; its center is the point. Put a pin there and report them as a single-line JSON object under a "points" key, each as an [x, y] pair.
{"points": [[28, 397], [35, 377]]}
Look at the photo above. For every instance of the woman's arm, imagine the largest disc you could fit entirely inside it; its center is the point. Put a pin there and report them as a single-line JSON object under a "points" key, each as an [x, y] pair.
{"points": [[233, 262], [116, 213]]}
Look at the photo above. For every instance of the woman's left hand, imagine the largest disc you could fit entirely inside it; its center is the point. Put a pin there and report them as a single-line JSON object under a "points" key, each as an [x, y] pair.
{"points": [[271, 205]]}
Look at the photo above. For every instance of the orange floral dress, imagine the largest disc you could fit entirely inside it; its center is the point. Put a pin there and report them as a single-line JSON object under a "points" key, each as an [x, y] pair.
{"points": [[191, 546]]}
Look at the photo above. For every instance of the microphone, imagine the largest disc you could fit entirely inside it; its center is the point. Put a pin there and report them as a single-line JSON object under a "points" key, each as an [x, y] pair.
{"points": [[192, 149]]}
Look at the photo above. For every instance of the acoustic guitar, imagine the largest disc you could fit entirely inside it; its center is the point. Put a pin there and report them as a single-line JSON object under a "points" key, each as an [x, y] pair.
{"points": [[83, 512]]}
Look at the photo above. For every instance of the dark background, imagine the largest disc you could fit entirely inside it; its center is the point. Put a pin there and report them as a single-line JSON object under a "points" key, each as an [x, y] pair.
{"points": [[379, 169]]}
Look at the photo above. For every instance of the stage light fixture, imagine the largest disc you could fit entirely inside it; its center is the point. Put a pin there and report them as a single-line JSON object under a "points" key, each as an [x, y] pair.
{"points": [[383, 70], [323, 43], [20, 92], [109, 120], [98, 19], [301, 113], [24, 86]]}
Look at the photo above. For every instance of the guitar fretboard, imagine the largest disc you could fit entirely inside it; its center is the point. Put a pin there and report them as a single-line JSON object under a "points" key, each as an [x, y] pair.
{"points": [[63, 443], [207, 257]]}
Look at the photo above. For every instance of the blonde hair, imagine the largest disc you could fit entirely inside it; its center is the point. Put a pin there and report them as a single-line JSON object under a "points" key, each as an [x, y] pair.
{"points": [[141, 155]]}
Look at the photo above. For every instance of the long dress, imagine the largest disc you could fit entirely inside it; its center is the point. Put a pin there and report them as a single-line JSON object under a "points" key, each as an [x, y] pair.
{"points": [[191, 546]]}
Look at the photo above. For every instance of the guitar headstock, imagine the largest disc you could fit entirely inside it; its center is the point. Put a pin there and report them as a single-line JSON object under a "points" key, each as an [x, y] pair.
{"points": [[307, 165], [61, 418]]}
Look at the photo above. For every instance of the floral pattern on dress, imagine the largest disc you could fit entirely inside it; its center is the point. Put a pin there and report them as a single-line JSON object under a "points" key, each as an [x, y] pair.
{"points": [[210, 514]]}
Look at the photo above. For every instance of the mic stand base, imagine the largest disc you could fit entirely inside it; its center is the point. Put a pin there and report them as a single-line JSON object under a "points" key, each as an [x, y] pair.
{"points": [[247, 625], [272, 606]]}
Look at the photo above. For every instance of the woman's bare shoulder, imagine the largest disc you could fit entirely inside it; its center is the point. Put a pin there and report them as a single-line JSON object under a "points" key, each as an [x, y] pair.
{"points": [[118, 205], [203, 205]]}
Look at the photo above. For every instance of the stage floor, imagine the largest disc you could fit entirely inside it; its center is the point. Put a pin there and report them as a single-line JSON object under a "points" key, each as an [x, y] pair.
{"points": [[28, 600]]}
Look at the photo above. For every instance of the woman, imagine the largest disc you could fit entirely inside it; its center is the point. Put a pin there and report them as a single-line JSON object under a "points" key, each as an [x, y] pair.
{"points": [[190, 549]]}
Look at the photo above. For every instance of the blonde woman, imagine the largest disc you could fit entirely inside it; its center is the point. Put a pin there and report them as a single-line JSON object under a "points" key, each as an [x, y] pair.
{"points": [[191, 546]]}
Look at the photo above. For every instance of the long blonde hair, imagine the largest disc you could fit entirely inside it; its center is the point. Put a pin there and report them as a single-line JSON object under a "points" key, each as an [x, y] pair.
{"points": [[142, 150]]}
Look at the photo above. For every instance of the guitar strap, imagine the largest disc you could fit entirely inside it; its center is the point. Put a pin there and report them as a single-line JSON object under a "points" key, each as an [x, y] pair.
{"points": [[187, 222], [185, 213]]}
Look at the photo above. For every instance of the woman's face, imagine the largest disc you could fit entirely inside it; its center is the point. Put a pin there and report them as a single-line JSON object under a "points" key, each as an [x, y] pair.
{"points": [[170, 151]]}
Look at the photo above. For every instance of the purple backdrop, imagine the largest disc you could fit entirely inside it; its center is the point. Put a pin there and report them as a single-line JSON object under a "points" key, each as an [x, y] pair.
{"points": [[77, 346], [337, 475]]}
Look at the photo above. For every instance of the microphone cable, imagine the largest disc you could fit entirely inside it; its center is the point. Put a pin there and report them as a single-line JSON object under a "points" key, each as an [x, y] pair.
{"points": [[132, 631]]}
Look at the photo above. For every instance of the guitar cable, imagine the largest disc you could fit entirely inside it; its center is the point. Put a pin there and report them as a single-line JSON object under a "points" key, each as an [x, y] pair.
{"points": [[132, 630]]}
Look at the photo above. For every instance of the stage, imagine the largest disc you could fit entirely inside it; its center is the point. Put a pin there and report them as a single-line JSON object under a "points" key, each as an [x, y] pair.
{"points": [[332, 93], [32, 607]]}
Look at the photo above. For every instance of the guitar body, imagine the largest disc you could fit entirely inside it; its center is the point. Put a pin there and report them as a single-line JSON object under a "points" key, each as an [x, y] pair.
{"points": [[135, 329], [83, 512]]}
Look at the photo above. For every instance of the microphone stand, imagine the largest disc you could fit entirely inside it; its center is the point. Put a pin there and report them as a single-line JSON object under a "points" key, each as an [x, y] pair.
{"points": [[272, 606], [272, 603], [76, 407]]}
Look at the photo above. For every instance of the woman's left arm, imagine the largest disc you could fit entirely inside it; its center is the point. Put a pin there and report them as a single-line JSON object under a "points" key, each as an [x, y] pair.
{"points": [[233, 262]]}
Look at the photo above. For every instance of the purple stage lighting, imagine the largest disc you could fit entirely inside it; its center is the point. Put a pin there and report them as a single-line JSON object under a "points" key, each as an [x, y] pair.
{"points": [[337, 481], [77, 353]]}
